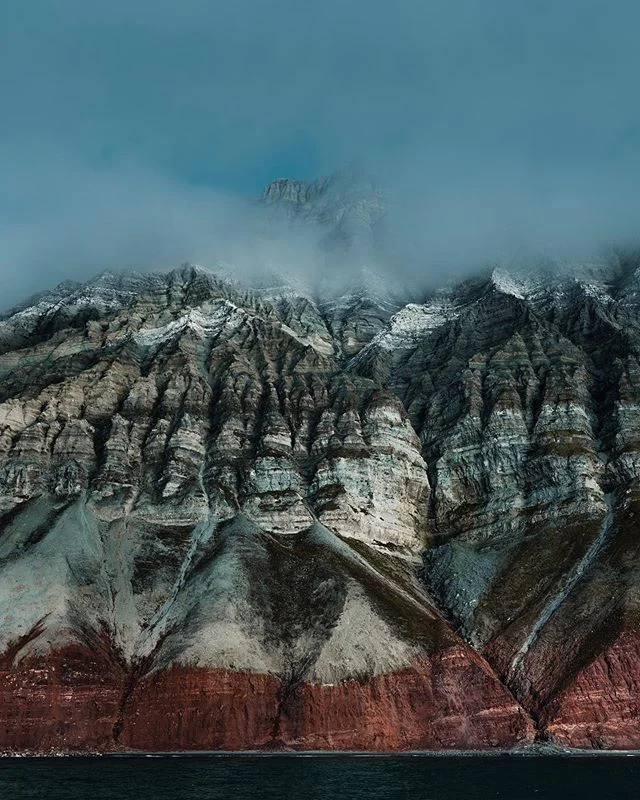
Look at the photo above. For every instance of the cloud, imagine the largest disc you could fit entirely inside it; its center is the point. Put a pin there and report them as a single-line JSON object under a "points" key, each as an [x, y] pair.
{"points": [[130, 129], [70, 222]]}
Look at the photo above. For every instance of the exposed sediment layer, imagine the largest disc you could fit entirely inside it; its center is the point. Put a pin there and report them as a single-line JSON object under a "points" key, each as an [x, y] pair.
{"points": [[68, 701], [237, 518], [600, 708], [440, 703]]}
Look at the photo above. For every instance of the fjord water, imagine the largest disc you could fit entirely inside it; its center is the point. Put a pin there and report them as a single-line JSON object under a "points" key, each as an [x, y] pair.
{"points": [[320, 777]]}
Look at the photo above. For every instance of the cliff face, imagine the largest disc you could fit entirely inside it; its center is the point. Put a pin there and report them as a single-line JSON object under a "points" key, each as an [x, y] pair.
{"points": [[525, 398], [238, 518]]}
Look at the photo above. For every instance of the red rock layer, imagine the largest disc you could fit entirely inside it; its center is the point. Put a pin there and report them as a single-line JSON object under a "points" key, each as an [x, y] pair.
{"points": [[446, 702], [78, 700], [601, 706], [187, 708], [443, 702], [70, 701]]}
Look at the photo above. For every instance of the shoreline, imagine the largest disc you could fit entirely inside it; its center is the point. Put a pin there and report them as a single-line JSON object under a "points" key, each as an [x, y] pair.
{"points": [[546, 751]]}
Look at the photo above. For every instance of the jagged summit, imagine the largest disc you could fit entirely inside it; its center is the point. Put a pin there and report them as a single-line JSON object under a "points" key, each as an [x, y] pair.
{"points": [[340, 188], [348, 206]]}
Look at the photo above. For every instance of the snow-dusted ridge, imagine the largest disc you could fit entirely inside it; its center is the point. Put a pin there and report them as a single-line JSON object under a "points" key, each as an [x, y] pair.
{"points": [[411, 323], [224, 314]]}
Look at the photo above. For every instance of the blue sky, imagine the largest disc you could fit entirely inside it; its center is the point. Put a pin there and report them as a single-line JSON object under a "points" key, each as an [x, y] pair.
{"points": [[127, 126]]}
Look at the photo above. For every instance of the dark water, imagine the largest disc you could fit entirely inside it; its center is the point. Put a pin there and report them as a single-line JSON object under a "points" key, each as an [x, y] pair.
{"points": [[321, 777]]}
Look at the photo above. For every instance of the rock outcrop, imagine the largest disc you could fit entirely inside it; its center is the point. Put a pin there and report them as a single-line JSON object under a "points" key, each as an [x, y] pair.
{"points": [[524, 396], [259, 518]]}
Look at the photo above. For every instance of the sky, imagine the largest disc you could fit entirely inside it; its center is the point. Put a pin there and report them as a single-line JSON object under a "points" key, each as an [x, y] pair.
{"points": [[131, 131]]}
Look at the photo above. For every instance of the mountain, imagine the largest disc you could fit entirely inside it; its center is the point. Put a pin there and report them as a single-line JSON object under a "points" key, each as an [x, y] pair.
{"points": [[239, 518], [348, 207]]}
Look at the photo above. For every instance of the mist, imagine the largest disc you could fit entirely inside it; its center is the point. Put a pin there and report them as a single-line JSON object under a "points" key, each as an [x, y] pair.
{"points": [[82, 222], [137, 135]]}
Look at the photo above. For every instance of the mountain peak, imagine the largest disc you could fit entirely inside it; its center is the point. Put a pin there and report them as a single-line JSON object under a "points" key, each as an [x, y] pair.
{"points": [[348, 204]]}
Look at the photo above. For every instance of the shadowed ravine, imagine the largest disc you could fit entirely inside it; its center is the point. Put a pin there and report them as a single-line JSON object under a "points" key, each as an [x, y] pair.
{"points": [[572, 579]]}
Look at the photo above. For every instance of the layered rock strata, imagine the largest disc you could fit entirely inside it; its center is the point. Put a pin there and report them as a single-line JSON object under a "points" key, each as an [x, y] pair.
{"points": [[238, 518], [525, 397]]}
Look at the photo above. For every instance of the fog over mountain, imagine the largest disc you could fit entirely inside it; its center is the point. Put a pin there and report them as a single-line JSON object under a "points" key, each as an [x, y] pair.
{"points": [[137, 135], [328, 435]]}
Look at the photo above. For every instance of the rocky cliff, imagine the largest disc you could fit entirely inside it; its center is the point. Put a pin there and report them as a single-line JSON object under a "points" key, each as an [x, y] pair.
{"points": [[262, 518]]}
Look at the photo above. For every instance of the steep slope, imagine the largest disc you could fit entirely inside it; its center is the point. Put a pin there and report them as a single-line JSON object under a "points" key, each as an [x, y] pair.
{"points": [[525, 399], [318, 512], [211, 533]]}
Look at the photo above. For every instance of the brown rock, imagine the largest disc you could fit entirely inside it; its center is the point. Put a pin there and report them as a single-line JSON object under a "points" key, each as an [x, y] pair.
{"points": [[188, 708], [601, 706], [438, 703], [68, 701]]}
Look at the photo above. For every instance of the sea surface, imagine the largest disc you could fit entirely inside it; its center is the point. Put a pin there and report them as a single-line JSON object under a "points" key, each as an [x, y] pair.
{"points": [[321, 777]]}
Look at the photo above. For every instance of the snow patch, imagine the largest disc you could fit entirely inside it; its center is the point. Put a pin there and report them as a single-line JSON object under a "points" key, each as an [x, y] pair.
{"points": [[506, 284], [226, 314], [409, 325]]}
